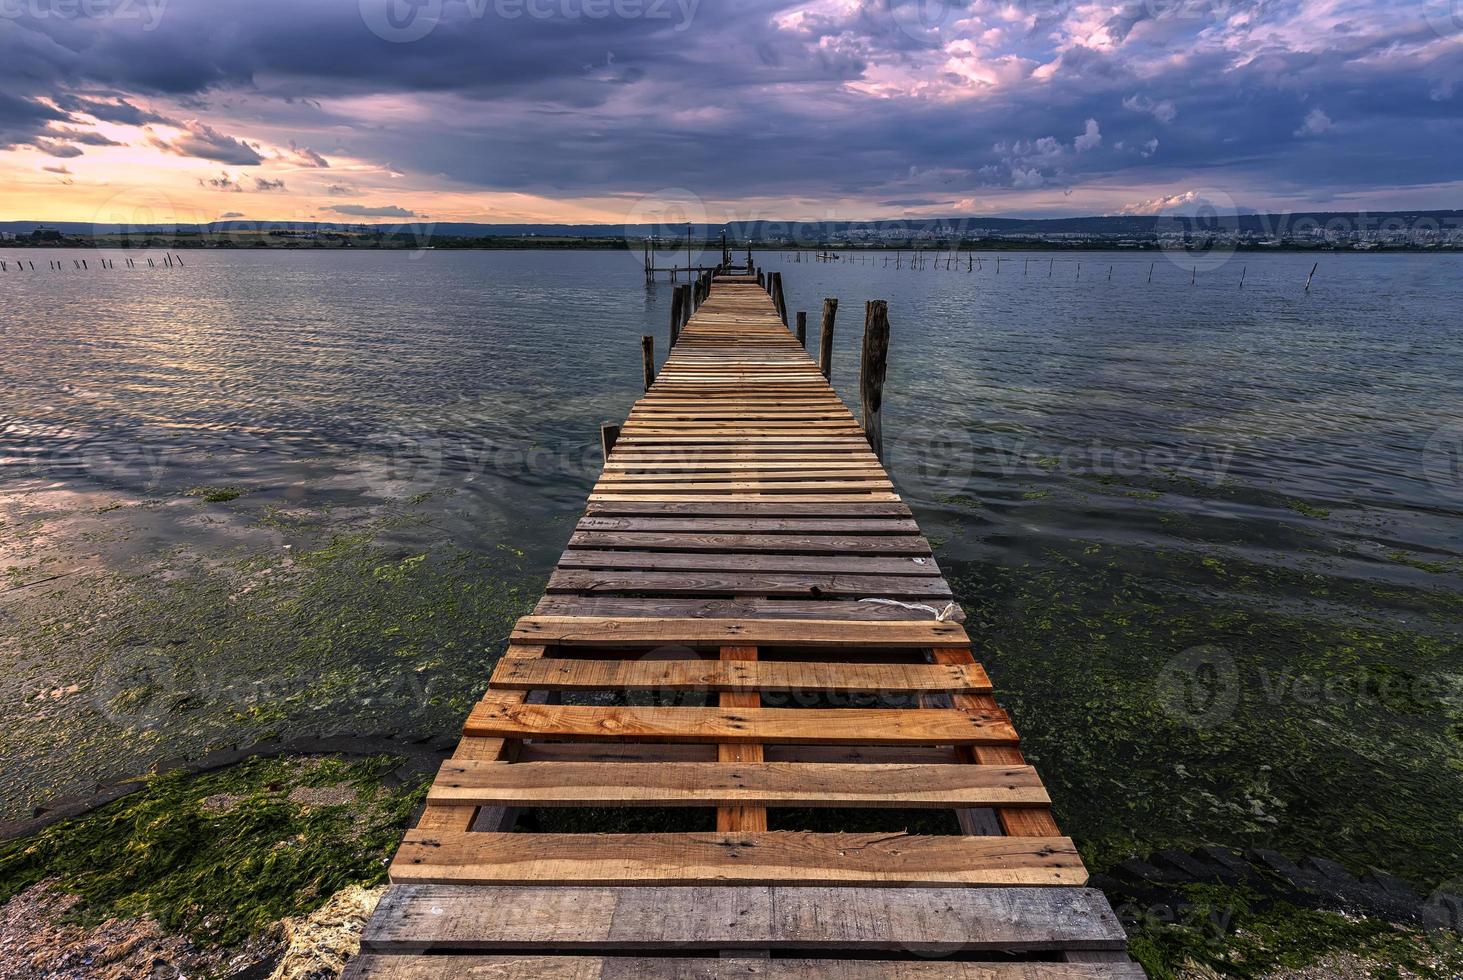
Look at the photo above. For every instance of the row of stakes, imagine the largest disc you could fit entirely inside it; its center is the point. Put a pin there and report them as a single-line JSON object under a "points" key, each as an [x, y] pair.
{"points": [[59, 265], [975, 263]]}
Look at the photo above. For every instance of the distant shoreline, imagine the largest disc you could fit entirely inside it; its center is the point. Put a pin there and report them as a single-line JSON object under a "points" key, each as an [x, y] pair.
{"points": [[532, 245]]}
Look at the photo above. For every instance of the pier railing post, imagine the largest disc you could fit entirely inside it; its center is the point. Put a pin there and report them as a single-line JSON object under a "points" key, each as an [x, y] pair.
{"points": [[777, 298], [871, 372], [647, 360], [685, 305], [825, 339], [803, 329]]}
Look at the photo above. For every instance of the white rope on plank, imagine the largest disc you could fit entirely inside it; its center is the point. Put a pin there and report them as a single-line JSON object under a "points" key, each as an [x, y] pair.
{"points": [[941, 615]]}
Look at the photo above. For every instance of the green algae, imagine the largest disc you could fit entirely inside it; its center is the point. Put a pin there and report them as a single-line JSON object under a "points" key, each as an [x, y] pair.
{"points": [[1312, 734], [1308, 510], [316, 624], [223, 856], [1232, 932], [216, 495]]}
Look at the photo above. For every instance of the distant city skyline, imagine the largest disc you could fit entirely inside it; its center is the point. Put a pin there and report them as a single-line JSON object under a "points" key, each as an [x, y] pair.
{"points": [[636, 111]]}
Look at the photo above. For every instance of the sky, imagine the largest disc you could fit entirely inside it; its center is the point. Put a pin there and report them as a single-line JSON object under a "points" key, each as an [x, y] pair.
{"points": [[627, 111]]}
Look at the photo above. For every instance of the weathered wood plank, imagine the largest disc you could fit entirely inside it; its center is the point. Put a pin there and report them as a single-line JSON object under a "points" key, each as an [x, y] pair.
{"points": [[885, 860], [705, 918], [591, 581], [739, 814], [530, 967], [602, 632], [762, 675], [913, 566], [870, 726], [740, 607], [742, 782]]}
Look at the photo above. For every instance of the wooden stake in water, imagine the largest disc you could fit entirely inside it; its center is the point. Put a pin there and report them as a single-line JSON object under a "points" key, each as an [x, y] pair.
{"points": [[872, 370], [609, 434], [647, 360], [1242, 274], [676, 316], [1194, 279], [803, 329], [1312, 276], [825, 339], [1150, 272]]}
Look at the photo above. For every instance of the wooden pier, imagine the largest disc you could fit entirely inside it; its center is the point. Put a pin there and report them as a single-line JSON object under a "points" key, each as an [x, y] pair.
{"points": [[749, 636]]}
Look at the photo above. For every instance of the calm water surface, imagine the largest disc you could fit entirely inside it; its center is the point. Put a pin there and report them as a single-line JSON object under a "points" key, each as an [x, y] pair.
{"points": [[1208, 537]]}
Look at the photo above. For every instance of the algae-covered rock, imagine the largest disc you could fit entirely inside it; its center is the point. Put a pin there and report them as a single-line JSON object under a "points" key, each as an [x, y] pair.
{"points": [[320, 943]]}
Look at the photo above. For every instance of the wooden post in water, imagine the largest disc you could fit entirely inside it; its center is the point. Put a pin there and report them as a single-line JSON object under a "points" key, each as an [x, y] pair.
{"points": [[647, 360], [676, 316], [871, 372], [803, 329], [685, 305], [777, 298], [609, 434], [825, 339], [1311, 276]]}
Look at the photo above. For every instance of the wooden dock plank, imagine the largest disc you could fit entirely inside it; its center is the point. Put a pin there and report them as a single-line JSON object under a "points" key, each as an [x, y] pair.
{"points": [[744, 782], [529, 967], [762, 675], [708, 918], [869, 726], [604, 631], [884, 860]]}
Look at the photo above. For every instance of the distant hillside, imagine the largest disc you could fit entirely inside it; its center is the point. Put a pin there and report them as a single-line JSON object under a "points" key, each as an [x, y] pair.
{"points": [[776, 231], [1421, 225]]}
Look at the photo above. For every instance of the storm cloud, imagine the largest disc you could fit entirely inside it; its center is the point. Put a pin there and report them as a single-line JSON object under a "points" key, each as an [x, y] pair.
{"points": [[889, 102]]}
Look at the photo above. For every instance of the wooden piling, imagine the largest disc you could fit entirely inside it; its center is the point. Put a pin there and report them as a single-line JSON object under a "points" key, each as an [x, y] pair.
{"points": [[825, 339], [803, 329], [676, 316], [609, 434], [778, 300], [647, 360], [871, 372], [1312, 276]]}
